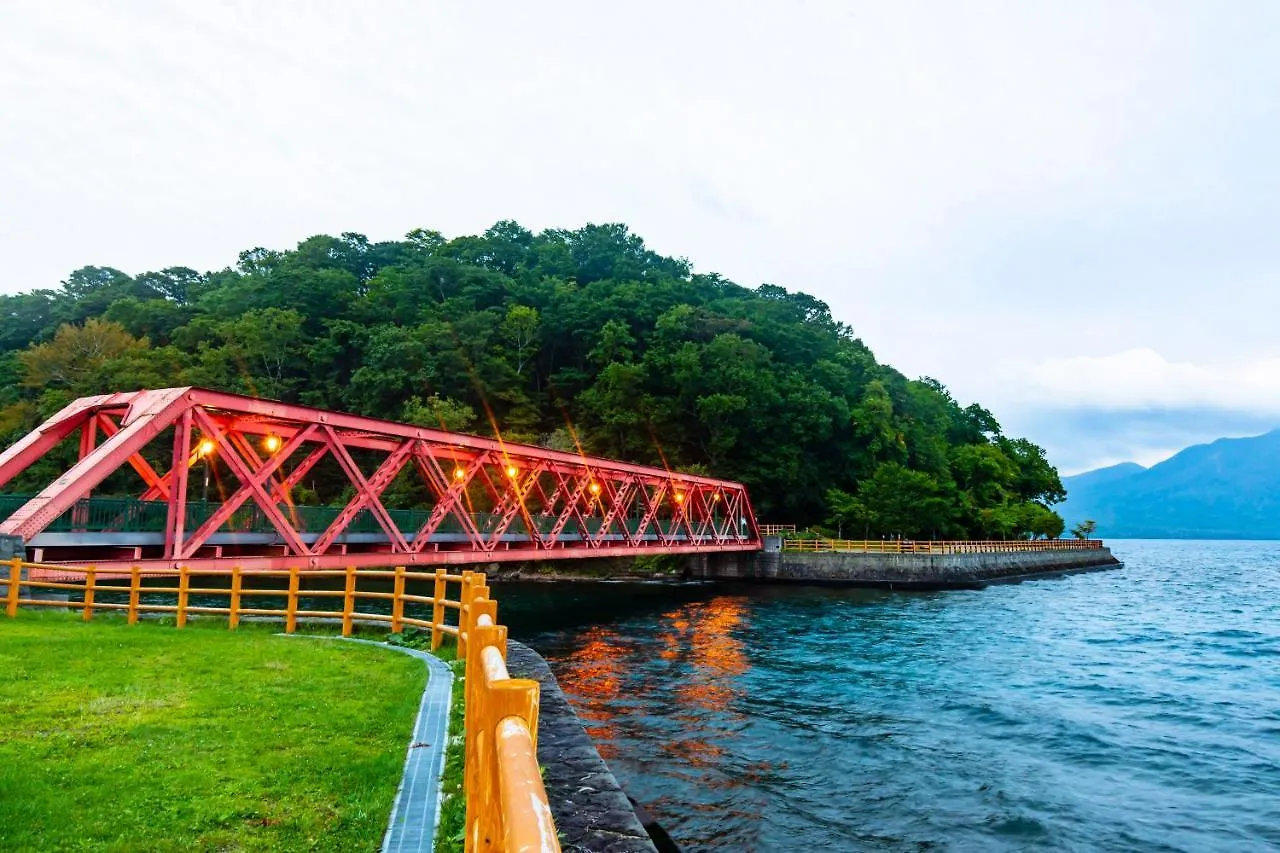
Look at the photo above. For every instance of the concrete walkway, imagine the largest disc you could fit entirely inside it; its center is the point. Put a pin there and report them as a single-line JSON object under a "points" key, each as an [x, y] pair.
{"points": [[416, 811]]}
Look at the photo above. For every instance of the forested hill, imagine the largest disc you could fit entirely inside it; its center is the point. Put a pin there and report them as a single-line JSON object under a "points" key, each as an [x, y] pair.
{"points": [[543, 335]]}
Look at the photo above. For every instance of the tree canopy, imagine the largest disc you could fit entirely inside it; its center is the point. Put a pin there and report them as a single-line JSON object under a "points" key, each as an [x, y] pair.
{"points": [[568, 338]]}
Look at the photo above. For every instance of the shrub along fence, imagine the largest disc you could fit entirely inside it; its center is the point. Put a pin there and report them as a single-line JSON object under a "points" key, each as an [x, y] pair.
{"points": [[507, 807]]}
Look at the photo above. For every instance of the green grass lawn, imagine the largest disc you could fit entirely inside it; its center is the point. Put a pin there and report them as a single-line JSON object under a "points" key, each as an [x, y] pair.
{"points": [[147, 737]]}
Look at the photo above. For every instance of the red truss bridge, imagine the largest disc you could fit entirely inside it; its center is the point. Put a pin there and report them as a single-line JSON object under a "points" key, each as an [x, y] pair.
{"points": [[475, 499]]}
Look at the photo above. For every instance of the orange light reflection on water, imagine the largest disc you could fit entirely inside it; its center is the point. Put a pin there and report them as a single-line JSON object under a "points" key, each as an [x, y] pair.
{"points": [[705, 659]]}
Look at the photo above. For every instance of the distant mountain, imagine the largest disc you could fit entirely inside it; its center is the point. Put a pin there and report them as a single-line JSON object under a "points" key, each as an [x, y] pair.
{"points": [[1229, 489]]}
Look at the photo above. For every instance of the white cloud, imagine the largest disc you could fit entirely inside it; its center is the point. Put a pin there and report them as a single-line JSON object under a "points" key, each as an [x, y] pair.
{"points": [[1142, 379]]}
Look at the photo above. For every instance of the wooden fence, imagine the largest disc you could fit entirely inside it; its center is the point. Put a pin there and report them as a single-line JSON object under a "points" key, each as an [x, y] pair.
{"points": [[507, 807], [908, 546]]}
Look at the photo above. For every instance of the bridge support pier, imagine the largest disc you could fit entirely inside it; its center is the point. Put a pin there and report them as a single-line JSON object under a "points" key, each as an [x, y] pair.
{"points": [[737, 565]]}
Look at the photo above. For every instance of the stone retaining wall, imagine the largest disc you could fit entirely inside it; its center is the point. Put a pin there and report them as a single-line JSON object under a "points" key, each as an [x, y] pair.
{"points": [[900, 571], [591, 810]]}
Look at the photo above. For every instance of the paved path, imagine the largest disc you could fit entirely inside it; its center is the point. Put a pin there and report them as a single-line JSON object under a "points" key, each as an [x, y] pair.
{"points": [[416, 811]]}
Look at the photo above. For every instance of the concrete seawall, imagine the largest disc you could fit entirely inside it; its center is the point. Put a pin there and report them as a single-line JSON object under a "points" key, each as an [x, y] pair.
{"points": [[898, 571]]}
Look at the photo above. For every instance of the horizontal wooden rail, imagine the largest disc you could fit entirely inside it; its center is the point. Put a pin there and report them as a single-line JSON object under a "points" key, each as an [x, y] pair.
{"points": [[908, 546], [507, 807]]}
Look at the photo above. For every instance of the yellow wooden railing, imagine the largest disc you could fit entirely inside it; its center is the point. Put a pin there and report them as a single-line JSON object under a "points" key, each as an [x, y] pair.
{"points": [[908, 546], [507, 807]]}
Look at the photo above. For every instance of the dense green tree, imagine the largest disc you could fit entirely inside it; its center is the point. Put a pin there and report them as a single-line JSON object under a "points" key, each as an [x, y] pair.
{"points": [[908, 504], [76, 354], [1084, 529], [578, 339]]}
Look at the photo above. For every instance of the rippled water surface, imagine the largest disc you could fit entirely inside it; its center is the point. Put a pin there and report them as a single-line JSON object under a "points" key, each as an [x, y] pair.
{"points": [[1136, 709]]}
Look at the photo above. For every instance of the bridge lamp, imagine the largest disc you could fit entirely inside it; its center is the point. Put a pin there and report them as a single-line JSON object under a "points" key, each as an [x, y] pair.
{"points": [[595, 488], [512, 471], [271, 443], [679, 497], [459, 474], [716, 496], [205, 450]]}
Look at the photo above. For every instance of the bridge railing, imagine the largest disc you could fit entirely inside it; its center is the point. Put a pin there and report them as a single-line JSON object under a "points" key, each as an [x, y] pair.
{"points": [[507, 808], [908, 546], [776, 529]]}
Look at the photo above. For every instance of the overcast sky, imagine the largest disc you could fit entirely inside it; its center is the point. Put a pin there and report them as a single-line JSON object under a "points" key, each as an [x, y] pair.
{"points": [[1066, 211]]}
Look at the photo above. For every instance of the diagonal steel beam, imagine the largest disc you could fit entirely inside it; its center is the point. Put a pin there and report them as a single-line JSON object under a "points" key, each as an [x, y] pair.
{"points": [[449, 497], [368, 493], [571, 508], [156, 411], [619, 501], [652, 503], [250, 486], [141, 465], [34, 445], [512, 504]]}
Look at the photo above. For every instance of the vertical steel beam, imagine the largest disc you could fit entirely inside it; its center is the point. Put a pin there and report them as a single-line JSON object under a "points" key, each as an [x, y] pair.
{"points": [[176, 520]]}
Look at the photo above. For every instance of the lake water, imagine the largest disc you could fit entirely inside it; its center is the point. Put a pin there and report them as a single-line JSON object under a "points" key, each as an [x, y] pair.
{"points": [[1136, 709]]}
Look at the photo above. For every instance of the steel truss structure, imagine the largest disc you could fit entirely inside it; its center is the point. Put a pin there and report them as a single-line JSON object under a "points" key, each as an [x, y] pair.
{"points": [[498, 500]]}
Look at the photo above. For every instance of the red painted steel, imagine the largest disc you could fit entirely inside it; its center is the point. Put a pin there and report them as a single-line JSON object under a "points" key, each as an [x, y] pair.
{"points": [[570, 505]]}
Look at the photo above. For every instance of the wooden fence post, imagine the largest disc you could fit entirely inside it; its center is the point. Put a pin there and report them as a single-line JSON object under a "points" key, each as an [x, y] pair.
{"points": [[15, 581], [437, 610], [397, 601], [90, 574], [233, 606], [479, 723], [135, 580], [464, 599], [349, 601], [184, 583], [291, 604]]}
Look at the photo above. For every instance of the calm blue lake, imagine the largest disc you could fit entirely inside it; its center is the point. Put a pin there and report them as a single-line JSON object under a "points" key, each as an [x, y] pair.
{"points": [[1127, 710]]}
